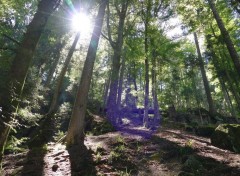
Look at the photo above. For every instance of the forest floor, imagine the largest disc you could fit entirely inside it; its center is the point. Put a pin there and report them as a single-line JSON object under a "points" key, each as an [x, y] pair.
{"points": [[131, 150]]}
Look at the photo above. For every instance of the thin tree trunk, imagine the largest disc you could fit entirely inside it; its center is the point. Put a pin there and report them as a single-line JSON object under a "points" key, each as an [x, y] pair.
{"points": [[146, 96], [20, 65], [106, 90], [43, 134], [154, 90], [227, 39], [212, 110], [57, 90], [218, 70], [119, 98], [232, 81], [134, 77], [120, 85], [222, 52], [54, 64], [117, 47], [112, 98], [75, 134], [233, 88], [135, 83], [227, 97]]}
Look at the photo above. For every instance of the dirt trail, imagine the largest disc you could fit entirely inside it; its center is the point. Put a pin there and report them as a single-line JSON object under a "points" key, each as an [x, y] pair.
{"points": [[132, 150]]}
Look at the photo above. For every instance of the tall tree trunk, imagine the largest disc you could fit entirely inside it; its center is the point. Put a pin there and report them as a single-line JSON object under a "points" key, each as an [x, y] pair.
{"points": [[106, 90], [227, 97], [233, 82], [75, 134], [20, 65], [220, 77], [196, 92], [120, 87], [146, 95], [135, 83], [227, 39], [233, 88], [134, 76], [112, 98], [154, 90], [120, 84], [212, 110], [45, 131], [117, 47], [53, 67], [57, 90], [107, 86]]}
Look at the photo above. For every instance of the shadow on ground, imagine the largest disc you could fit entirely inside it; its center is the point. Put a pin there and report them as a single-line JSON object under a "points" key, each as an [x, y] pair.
{"points": [[191, 159], [81, 161]]}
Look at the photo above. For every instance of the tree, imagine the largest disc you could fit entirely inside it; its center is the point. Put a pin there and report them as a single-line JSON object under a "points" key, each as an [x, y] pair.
{"points": [[117, 48], [56, 57], [75, 133], [21, 62], [120, 84], [60, 78], [147, 18], [154, 86], [227, 39], [204, 77], [220, 75], [45, 129]]}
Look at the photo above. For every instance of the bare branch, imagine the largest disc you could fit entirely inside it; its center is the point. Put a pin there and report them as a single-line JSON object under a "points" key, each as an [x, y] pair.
{"points": [[104, 36], [118, 10], [158, 8]]}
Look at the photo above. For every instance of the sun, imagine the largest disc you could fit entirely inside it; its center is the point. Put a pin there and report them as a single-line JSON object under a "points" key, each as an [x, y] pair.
{"points": [[81, 23]]}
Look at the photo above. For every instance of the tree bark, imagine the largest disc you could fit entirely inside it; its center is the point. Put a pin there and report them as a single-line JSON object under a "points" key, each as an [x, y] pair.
{"points": [[106, 90], [227, 97], [57, 90], [227, 39], [117, 47], [20, 65], [212, 110], [233, 88], [75, 134], [233, 82], [220, 77], [53, 67], [45, 130], [154, 90], [146, 96], [119, 97]]}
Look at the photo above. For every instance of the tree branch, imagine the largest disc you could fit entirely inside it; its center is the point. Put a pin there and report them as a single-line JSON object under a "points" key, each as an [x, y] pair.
{"points": [[10, 38], [158, 8], [118, 10], [6, 48], [109, 28], [104, 36]]}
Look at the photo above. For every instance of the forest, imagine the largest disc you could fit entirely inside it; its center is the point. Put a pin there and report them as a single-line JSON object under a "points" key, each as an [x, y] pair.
{"points": [[119, 87]]}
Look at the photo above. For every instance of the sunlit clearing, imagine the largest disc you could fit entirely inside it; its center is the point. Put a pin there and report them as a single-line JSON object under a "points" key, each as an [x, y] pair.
{"points": [[81, 23]]}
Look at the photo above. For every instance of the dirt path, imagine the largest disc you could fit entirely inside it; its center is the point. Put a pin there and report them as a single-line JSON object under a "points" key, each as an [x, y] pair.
{"points": [[132, 150]]}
